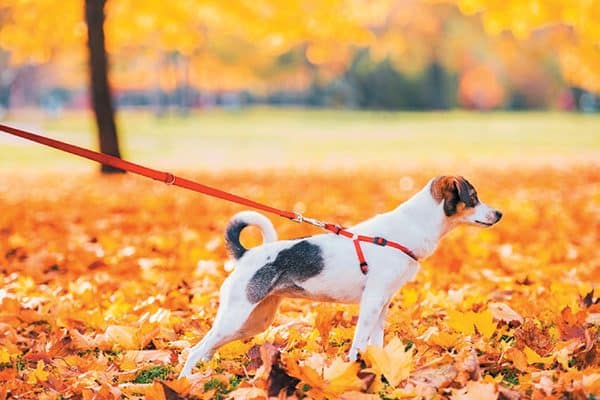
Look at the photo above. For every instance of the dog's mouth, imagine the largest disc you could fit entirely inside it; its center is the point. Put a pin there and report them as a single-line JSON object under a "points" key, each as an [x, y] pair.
{"points": [[484, 223]]}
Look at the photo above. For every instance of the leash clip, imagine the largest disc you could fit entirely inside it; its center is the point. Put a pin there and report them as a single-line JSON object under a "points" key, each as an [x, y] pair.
{"points": [[300, 218]]}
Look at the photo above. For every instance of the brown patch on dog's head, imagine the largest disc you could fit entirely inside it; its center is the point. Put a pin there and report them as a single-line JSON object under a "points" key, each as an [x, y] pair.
{"points": [[456, 193]]}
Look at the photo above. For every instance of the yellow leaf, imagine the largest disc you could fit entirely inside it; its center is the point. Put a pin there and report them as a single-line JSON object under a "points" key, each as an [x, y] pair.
{"points": [[341, 376], [491, 379], [461, 322], [235, 349], [393, 361], [484, 322], [155, 392], [466, 322], [409, 296], [535, 358], [38, 374], [341, 334], [128, 362], [4, 356], [444, 339]]}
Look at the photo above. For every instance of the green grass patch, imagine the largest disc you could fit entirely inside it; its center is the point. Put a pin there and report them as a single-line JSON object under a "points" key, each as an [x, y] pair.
{"points": [[257, 138], [150, 374]]}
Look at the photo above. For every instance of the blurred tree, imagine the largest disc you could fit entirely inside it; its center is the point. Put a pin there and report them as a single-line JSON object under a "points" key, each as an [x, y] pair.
{"points": [[36, 31], [294, 45], [574, 24], [100, 89]]}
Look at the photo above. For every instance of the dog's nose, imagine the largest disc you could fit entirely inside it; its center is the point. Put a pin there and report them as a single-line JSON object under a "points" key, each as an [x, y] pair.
{"points": [[498, 215]]}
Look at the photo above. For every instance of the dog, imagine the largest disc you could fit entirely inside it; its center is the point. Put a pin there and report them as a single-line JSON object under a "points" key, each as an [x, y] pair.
{"points": [[325, 267]]}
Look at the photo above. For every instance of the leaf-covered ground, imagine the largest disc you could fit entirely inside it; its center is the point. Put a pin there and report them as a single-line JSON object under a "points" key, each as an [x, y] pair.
{"points": [[107, 281]]}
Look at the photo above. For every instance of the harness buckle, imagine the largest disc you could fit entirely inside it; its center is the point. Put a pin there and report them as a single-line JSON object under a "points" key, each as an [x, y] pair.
{"points": [[364, 267], [379, 241]]}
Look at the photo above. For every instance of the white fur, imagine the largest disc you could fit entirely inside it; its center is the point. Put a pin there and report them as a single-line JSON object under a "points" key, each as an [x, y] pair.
{"points": [[418, 224]]}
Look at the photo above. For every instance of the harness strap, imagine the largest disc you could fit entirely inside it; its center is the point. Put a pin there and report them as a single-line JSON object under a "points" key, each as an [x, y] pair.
{"points": [[356, 239], [171, 179], [362, 262]]}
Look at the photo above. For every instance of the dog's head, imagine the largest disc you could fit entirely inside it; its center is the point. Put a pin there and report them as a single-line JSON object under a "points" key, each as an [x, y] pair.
{"points": [[460, 201]]}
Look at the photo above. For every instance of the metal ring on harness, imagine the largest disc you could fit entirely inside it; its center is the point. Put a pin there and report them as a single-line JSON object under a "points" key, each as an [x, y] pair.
{"points": [[169, 178]]}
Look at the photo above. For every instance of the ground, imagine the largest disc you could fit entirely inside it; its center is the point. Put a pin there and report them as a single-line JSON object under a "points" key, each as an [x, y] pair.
{"points": [[106, 281]]}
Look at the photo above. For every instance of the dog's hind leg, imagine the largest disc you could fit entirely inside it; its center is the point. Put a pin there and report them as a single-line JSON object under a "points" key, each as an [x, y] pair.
{"points": [[261, 317], [233, 322]]}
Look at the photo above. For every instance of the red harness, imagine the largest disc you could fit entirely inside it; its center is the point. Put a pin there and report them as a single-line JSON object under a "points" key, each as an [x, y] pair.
{"points": [[171, 179], [356, 239]]}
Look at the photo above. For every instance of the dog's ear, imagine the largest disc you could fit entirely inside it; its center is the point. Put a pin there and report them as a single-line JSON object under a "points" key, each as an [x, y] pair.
{"points": [[452, 190], [466, 192]]}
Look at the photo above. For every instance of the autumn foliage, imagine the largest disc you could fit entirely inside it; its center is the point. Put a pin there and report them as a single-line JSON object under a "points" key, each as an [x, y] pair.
{"points": [[107, 281], [270, 44]]}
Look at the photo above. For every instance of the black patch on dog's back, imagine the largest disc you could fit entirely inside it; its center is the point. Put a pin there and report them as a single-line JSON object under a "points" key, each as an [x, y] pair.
{"points": [[296, 264]]}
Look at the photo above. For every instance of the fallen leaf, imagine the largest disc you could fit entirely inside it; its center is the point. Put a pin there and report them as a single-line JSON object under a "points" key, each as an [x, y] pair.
{"points": [[503, 312], [119, 337], [38, 374], [518, 358], [535, 358], [4, 356], [591, 383], [571, 325], [338, 377], [235, 349], [359, 396], [467, 322], [530, 335], [250, 393], [467, 365], [342, 376], [393, 361], [476, 391], [438, 377]]}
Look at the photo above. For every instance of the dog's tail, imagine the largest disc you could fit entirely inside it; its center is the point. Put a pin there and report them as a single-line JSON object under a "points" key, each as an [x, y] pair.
{"points": [[242, 220]]}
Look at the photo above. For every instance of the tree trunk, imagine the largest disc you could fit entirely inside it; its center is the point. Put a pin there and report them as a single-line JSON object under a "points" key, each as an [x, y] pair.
{"points": [[436, 90], [100, 90]]}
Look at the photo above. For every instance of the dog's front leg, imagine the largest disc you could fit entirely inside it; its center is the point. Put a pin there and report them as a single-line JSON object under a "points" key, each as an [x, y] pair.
{"points": [[372, 304], [376, 337]]}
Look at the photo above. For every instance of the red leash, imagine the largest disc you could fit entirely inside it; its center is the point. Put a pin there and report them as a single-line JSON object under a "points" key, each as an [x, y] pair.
{"points": [[171, 179]]}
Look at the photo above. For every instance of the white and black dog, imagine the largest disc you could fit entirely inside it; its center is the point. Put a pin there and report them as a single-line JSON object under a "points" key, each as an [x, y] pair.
{"points": [[325, 267]]}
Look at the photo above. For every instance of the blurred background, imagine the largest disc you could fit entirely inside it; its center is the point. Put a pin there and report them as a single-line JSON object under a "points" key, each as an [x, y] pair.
{"points": [[181, 59]]}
